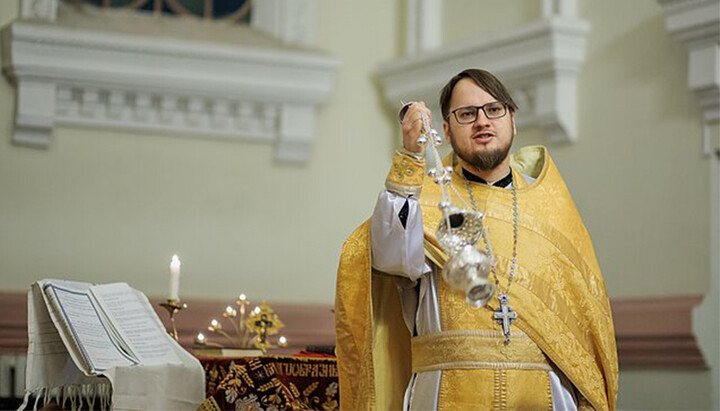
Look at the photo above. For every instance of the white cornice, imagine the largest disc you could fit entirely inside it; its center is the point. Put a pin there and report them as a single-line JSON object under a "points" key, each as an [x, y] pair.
{"points": [[67, 75], [539, 62], [696, 25], [692, 21]]}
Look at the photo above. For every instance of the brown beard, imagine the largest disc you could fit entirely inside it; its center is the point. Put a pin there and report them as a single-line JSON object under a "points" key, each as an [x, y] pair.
{"points": [[485, 162]]}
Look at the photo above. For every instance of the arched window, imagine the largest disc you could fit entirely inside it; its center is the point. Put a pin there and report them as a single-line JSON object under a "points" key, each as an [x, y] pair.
{"points": [[235, 11]]}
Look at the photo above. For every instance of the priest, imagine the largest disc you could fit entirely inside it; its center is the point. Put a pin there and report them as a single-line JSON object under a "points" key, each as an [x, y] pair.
{"points": [[406, 339]]}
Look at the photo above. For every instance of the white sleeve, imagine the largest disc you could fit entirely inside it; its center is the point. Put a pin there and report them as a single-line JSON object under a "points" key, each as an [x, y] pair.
{"points": [[563, 392], [396, 249]]}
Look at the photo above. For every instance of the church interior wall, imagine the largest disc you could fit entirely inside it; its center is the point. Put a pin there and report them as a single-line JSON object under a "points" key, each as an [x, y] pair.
{"points": [[101, 205], [652, 389]]}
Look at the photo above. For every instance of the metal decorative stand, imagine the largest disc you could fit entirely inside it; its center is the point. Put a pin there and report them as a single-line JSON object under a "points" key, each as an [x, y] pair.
{"points": [[173, 306], [250, 328]]}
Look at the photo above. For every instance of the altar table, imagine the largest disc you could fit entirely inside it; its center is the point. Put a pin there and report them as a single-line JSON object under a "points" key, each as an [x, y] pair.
{"points": [[270, 383]]}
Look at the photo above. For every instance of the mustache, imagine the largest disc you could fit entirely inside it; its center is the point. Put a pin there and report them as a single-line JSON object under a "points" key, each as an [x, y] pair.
{"points": [[483, 161]]}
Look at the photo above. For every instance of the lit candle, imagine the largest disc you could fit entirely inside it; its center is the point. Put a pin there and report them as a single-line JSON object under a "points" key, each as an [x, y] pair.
{"points": [[175, 278], [200, 339], [282, 341], [242, 299], [215, 325]]}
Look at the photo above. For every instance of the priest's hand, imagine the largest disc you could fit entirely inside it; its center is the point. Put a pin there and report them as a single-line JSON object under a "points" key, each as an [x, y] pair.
{"points": [[412, 126]]}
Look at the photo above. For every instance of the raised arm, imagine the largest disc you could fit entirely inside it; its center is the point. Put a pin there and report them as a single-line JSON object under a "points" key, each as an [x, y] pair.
{"points": [[396, 231]]}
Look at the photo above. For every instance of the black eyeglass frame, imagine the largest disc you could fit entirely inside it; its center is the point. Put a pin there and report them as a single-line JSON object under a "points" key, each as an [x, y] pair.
{"points": [[478, 108]]}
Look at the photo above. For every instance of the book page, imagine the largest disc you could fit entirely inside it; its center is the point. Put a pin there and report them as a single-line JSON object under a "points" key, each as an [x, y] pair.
{"points": [[136, 323], [53, 360], [93, 340]]}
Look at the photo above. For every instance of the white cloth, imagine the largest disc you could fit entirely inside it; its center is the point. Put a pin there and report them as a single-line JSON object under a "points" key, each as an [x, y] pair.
{"points": [[52, 374], [399, 251]]}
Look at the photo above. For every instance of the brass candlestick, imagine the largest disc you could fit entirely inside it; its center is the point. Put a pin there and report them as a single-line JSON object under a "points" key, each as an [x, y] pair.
{"points": [[173, 306]]}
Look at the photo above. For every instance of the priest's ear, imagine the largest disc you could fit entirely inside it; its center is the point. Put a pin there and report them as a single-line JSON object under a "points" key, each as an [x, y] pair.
{"points": [[446, 129], [512, 118]]}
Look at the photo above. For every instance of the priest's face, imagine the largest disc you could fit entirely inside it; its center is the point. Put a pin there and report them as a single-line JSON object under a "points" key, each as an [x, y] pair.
{"points": [[485, 143]]}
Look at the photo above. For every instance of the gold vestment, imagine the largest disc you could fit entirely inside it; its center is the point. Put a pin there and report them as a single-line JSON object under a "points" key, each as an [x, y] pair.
{"points": [[558, 293]]}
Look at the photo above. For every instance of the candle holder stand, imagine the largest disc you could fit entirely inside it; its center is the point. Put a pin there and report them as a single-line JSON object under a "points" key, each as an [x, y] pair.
{"points": [[173, 306]]}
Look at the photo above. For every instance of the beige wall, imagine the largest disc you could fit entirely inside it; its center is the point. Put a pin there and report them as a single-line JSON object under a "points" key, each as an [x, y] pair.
{"points": [[104, 205], [111, 206]]}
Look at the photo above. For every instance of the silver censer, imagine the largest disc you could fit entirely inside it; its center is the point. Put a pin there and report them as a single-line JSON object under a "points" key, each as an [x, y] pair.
{"points": [[468, 268]]}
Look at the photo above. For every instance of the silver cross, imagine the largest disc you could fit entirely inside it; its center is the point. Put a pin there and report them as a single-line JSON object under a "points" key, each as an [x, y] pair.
{"points": [[504, 315]]}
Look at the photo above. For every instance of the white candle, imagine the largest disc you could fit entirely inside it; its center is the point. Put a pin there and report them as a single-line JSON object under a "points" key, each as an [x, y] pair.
{"points": [[242, 298], [175, 278]]}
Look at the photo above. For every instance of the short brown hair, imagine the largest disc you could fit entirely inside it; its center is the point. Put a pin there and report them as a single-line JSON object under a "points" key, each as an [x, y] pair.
{"points": [[485, 80]]}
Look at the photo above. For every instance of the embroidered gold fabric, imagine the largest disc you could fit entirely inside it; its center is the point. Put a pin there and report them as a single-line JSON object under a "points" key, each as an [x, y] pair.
{"points": [[373, 342], [353, 325], [521, 380], [406, 174], [470, 349], [501, 389], [558, 292]]}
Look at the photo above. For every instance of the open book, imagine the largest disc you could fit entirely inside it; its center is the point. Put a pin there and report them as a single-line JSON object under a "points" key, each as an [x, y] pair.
{"points": [[106, 325], [85, 335]]}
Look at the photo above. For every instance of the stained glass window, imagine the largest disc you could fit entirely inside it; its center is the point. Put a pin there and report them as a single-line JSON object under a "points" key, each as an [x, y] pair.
{"points": [[228, 10]]}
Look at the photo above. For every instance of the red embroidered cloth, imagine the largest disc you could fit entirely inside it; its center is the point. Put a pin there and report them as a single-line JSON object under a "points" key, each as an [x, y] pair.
{"points": [[270, 383]]}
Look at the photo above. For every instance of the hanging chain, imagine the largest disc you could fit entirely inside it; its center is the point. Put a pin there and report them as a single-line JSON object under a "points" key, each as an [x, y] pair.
{"points": [[488, 247]]}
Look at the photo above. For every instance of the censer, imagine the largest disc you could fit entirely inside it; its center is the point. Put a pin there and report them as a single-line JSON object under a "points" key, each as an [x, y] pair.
{"points": [[467, 268]]}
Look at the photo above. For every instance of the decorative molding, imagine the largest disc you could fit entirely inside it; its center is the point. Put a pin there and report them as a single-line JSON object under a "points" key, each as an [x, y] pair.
{"points": [[539, 62], [564, 8], [290, 21], [13, 323], [423, 25], [39, 9], [657, 332], [696, 25], [76, 76], [651, 332]]}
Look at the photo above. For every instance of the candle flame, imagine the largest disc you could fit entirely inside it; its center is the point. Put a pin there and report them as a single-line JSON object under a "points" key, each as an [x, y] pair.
{"points": [[175, 261], [230, 312], [214, 325]]}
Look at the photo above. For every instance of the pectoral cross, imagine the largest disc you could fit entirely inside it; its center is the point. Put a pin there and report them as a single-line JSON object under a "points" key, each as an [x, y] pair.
{"points": [[504, 315]]}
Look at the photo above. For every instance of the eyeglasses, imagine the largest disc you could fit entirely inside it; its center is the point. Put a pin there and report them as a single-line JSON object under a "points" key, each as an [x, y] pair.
{"points": [[467, 115]]}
